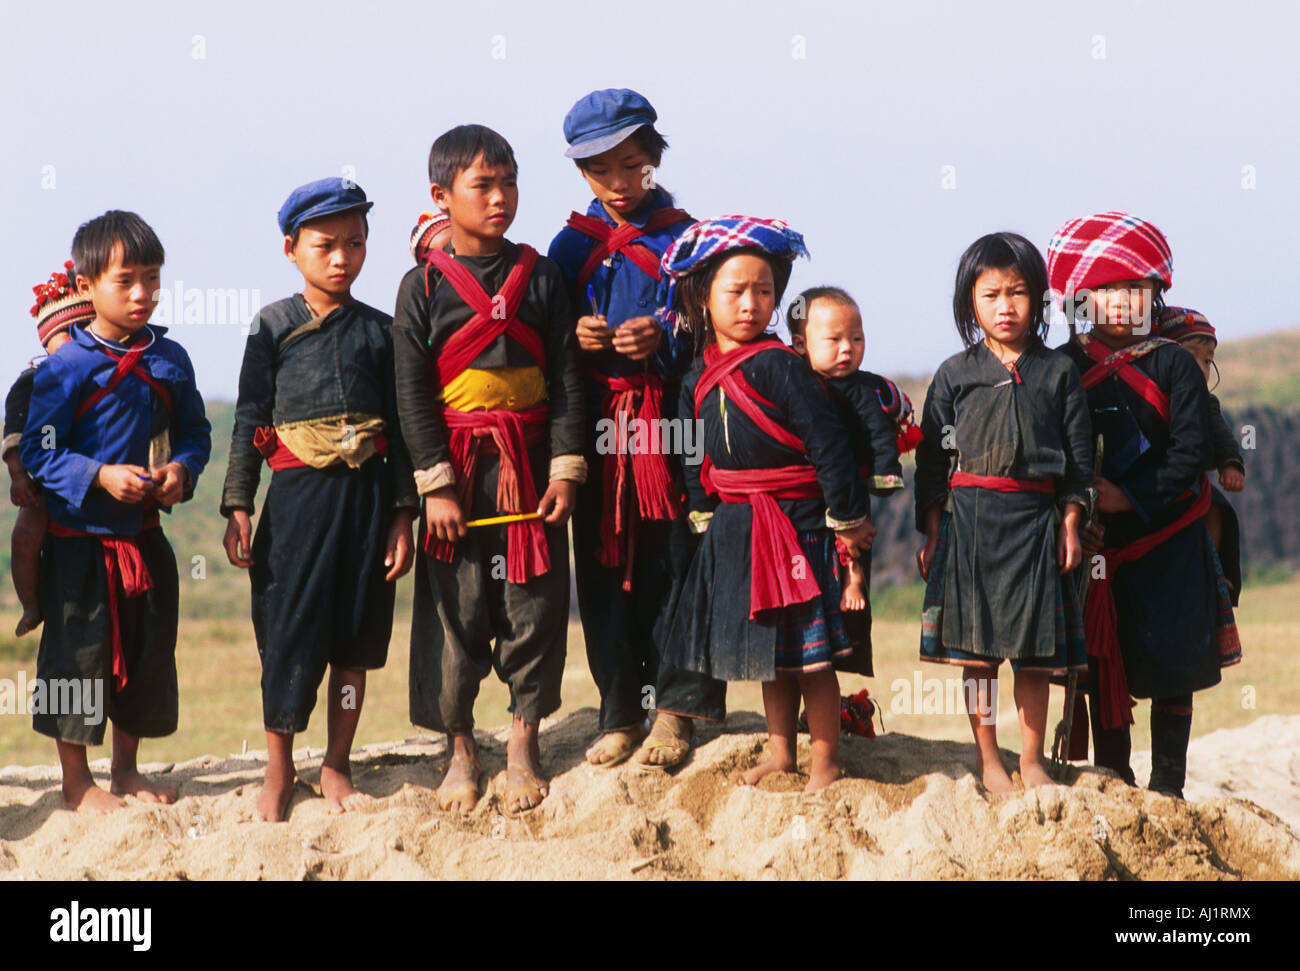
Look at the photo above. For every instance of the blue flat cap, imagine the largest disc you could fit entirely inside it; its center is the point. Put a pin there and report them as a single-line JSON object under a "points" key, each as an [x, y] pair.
{"points": [[603, 119], [324, 197]]}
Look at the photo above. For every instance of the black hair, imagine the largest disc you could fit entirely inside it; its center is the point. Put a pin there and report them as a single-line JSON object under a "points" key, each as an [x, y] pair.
{"points": [[647, 138], [691, 294], [999, 251], [454, 151], [293, 237], [796, 317], [92, 247]]}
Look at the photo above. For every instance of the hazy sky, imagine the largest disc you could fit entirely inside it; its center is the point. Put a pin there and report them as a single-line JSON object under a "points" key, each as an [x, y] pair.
{"points": [[892, 135]]}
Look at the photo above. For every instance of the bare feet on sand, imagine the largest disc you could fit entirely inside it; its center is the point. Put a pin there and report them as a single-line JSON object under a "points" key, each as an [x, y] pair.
{"points": [[821, 775], [341, 796], [615, 747], [277, 791], [129, 782], [993, 774], [525, 785], [779, 759], [1033, 774], [90, 799], [459, 790]]}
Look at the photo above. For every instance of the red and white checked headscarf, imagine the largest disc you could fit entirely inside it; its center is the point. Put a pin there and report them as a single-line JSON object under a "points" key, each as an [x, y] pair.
{"points": [[1093, 251]]}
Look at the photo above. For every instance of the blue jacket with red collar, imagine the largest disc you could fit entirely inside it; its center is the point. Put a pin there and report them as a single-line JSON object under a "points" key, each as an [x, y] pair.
{"points": [[63, 453], [623, 289]]}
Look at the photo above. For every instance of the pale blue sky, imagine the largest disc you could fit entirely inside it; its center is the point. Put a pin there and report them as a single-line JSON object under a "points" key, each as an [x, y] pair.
{"points": [[848, 142]]}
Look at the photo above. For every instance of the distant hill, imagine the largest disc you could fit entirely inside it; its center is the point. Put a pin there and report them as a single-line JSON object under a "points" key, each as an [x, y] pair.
{"points": [[1260, 371]]}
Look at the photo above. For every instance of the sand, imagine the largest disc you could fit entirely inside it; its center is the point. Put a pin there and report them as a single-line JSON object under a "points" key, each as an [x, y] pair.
{"points": [[912, 810]]}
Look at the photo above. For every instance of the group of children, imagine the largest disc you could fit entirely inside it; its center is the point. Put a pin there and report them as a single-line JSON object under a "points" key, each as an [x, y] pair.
{"points": [[481, 410]]}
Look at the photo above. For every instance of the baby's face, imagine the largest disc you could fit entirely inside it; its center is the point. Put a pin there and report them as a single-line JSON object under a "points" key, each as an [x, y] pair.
{"points": [[1203, 350], [833, 338]]}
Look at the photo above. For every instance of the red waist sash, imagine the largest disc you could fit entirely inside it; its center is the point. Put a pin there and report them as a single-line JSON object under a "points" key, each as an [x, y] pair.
{"points": [[625, 472], [1102, 624], [1001, 483], [508, 434], [778, 570], [126, 568]]}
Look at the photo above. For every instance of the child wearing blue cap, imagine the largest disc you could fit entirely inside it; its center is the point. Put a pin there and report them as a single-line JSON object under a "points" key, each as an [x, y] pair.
{"points": [[317, 402], [491, 403], [631, 541], [115, 433]]}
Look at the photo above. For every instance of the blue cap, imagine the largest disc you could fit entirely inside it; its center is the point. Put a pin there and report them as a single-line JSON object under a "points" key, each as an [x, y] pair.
{"points": [[603, 119], [324, 197]]}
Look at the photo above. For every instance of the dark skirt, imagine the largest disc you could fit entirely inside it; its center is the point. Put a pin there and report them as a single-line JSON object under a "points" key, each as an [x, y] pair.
{"points": [[1067, 646], [1175, 618], [711, 631]]}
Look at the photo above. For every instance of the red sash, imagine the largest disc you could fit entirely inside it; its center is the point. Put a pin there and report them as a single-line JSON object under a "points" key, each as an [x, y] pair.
{"points": [[1001, 483], [126, 568], [1102, 625], [1106, 363], [278, 456], [509, 432], [622, 239], [128, 363], [778, 571], [636, 396]]}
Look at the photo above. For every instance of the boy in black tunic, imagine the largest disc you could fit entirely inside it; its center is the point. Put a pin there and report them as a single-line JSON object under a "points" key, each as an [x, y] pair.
{"points": [[491, 404], [317, 402]]}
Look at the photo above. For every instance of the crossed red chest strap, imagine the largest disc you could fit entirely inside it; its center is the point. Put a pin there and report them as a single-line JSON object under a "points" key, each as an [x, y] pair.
{"points": [[778, 569], [128, 363], [622, 239], [507, 433], [1120, 363]]}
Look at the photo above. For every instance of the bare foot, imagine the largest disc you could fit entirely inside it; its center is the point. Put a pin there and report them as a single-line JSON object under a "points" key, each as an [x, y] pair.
{"points": [[277, 791], [90, 799], [28, 622], [615, 747], [1034, 775], [340, 795], [129, 782], [821, 776], [995, 778], [854, 597], [775, 762], [669, 742], [459, 790], [524, 789]]}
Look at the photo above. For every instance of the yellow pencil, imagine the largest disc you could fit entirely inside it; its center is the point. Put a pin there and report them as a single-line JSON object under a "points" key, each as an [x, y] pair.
{"points": [[519, 517]]}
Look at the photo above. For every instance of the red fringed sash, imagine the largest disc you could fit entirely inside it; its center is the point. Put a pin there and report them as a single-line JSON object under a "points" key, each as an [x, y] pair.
{"points": [[1001, 483]]}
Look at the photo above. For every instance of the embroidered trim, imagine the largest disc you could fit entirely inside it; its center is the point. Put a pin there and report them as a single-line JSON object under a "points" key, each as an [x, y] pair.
{"points": [[839, 524], [571, 468], [699, 521], [439, 476]]}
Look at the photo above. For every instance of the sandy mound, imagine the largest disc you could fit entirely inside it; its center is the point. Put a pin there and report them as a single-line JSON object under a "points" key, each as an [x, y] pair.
{"points": [[912, 810]]}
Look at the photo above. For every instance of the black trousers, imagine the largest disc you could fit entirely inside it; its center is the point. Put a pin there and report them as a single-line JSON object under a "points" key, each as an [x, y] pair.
{"points": [[319, 593], [467, 620], [624, 629], [77, 642]]}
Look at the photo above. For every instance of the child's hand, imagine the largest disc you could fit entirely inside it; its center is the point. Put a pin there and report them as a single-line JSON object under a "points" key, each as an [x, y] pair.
{"points": [[22, 491], [1232, 478], [443, 515], [239, 539], [170, 483], [1069, 550], [125, 483], [557, 504], [638, 338], [593, 334], [858, 539], [399, 551], [1091, 538], [1110, 497]]}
